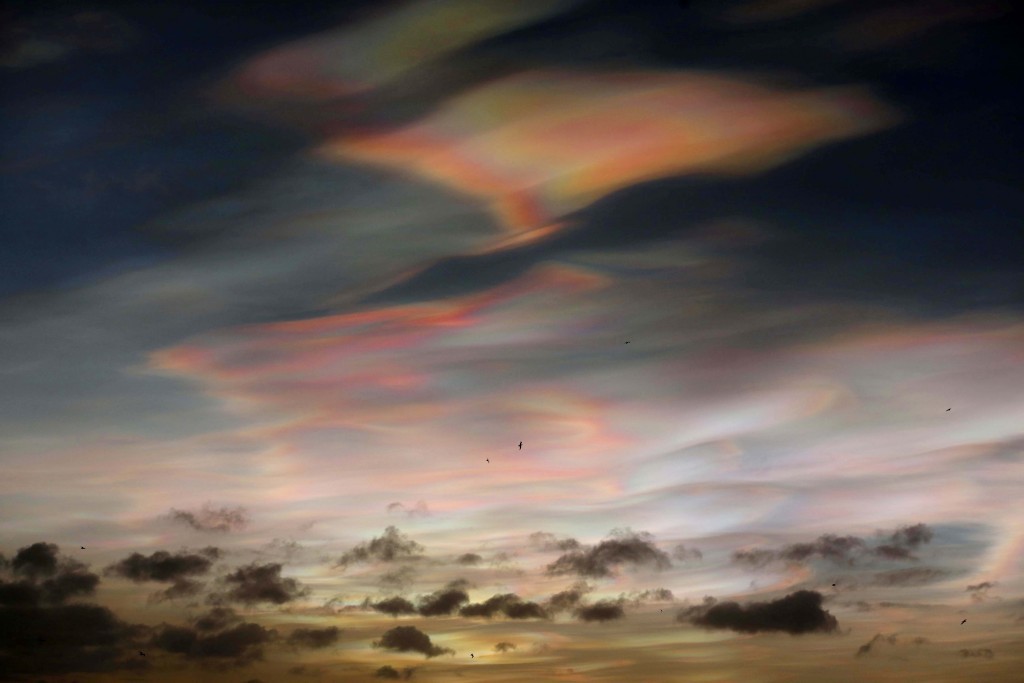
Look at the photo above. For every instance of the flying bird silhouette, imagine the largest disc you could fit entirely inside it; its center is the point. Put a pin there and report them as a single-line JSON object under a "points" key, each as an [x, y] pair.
{"points": [[83, 547], [627, 342], [142, 653], [520, 445], [488, 459], [963, 622], [948, 409], [471, 655]]}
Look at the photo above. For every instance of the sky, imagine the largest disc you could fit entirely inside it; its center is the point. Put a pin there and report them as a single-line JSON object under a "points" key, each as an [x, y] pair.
{"points": [[479, 340]]}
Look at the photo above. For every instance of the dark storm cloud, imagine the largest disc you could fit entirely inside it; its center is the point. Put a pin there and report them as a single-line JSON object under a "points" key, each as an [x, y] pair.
{"points": [[548, 542], [182, 588], [391, 673], [603, 610], [162, 566], [71, 581], [469, 559], [241, 643], [64, 578], [410, 639], [209, 518], [796, 613], [443, 601], [36, 560], [909, 577], [63, 639], [982, 652], [504, 646], [314, 638], [394, 606], [569, 598], [623, 547], [391, 547], [879, 638], [508, 604], [399, 578], [216, 619], [255, 583], [894, 552], [684, 554]]}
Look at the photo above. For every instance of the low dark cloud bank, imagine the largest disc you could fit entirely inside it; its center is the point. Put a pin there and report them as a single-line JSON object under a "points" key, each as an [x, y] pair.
{"points": [[314, 638], [239, 645], [410, 639], [796, 613], [508, 604], [603, 610]]}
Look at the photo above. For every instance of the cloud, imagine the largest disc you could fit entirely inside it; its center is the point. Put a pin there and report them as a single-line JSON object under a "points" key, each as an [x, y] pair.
{"points": [[314, 638], [756, 558], [979, 591], [209, 518], [799, 612], [903, 540], [547, 542], [908, 577], [684, 554], [603, 610], [162, 566], [508, 604], [36, 560], [567, 599], [47, 578], [255, 583], [504, 646], [63, 639], [982, 652], [391, 673], [241, 643], [399, 578], [394, 606], [637, 598], [303, 670], [410, 639], [443, 601], [418, 510], [469, 559], [623, 547], [839, 549], [216, 619], [879, 637], [391, 547]]}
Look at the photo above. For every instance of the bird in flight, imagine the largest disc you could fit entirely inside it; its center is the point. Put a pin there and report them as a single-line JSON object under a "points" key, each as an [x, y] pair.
{"points": [[488, 459], [142, 653], [471, 655], [963, 622], [83, 547], [520, 445], [627, 342], [948, 409]]}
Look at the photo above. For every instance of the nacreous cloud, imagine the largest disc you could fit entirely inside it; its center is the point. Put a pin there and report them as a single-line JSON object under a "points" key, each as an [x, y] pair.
{"points": [[796, 613], [391, 547], [623, 547]]}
